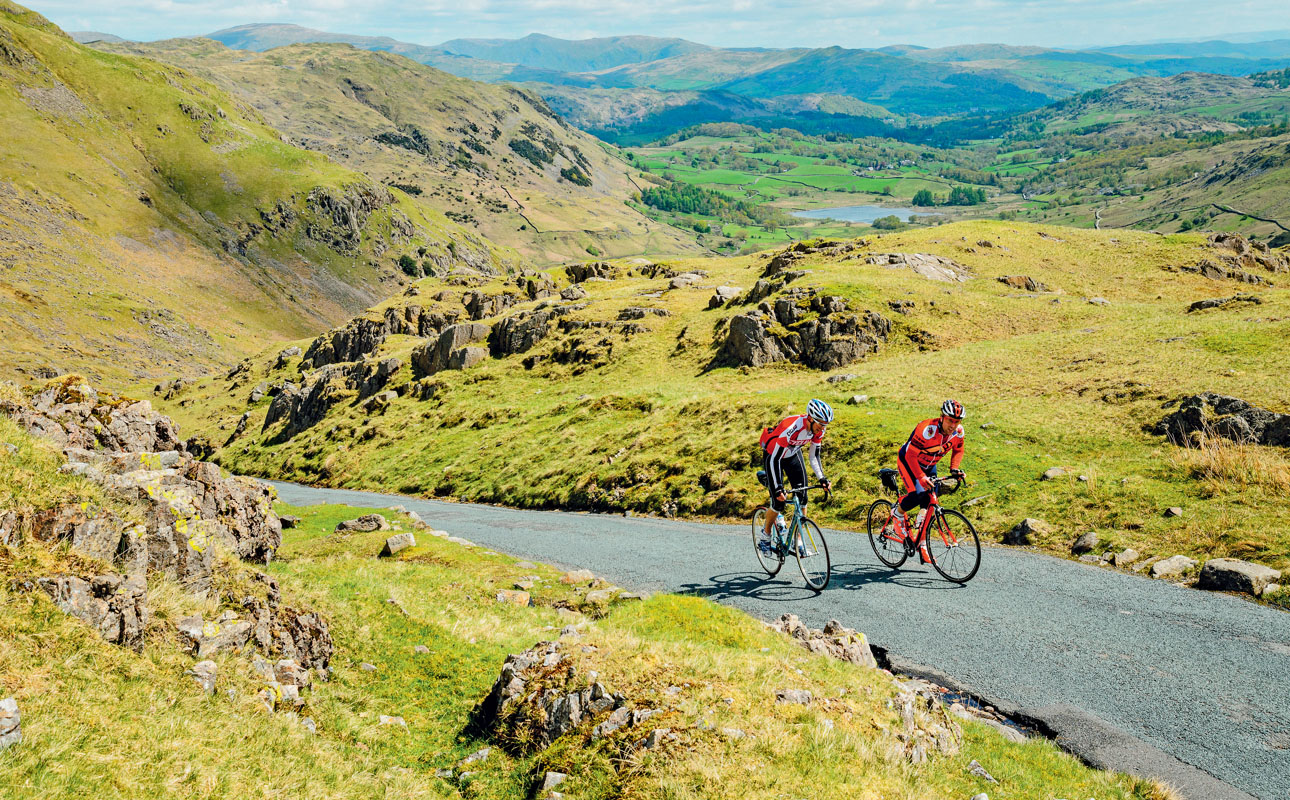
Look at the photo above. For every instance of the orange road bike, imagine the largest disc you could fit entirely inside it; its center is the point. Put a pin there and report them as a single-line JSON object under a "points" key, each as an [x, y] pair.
{"points": [[951, 540]]}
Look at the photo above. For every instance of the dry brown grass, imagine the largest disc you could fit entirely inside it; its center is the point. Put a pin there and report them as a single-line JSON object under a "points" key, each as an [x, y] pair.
{"points": [[1223, 466]]}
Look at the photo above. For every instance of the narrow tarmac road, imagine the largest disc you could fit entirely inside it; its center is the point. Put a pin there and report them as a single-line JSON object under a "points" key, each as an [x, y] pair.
{"points": [[1127, 672]]}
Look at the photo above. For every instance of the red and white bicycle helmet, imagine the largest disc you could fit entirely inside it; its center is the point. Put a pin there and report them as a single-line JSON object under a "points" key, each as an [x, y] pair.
{"points": [[952, 408]]}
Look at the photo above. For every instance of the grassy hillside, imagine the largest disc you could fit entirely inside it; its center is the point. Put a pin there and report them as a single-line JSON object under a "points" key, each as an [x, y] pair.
{"points": [[1236, 183], [1178, 104], [448, 141], [605, 419], [123, 724], [151, 223]]}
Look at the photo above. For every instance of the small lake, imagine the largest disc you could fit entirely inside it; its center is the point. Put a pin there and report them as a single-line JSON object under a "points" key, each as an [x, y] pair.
{"points": [[860, 213]]}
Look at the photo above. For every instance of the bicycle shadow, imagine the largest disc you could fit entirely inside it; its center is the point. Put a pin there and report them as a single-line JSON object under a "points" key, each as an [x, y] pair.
{"points": [[856, 576], [750, 585]]}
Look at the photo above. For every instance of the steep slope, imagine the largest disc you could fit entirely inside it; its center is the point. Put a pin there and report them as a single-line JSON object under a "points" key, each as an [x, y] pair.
{"points": [[492, 158], [150, 223], [644, 392]]}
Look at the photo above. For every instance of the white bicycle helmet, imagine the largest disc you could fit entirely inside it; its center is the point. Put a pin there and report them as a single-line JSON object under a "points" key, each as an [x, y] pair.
{"points": [[819, 411], [952, 408]]}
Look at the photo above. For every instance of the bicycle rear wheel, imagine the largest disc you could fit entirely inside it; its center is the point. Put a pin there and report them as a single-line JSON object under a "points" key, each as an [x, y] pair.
{"points": [[889, 549], [771, 562], [813, 556], [954, 547]]}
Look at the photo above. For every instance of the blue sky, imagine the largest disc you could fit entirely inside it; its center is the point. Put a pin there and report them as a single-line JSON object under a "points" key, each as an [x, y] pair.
{"points": [[728, 23]]}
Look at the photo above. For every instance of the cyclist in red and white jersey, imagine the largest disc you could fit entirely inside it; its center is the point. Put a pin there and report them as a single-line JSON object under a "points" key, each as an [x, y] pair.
{"points": [[782, 454], [931, 440]]}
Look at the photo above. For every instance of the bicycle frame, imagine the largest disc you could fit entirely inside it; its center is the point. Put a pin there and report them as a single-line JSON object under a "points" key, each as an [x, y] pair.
{"points": [[790, 538], [782, 546], [933, 512]]}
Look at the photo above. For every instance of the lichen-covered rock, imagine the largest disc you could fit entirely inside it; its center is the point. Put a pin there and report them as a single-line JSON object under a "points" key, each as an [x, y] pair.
{"points": [[835, 640], [113, 605], [595, 269], [427, 359], [832, 339], [71, 413], [520, 332], [303, 407], [537, 699], [363, 524], [935, 268]]}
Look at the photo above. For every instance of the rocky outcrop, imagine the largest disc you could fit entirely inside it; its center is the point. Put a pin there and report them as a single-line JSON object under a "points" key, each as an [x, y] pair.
{"points": [[602, 270], [1023, 282], [537, 699], [535, 285], [283, 631], [337, 219], [71, 413], [1224, 302], [832, 339], [835, 640], [113, 605], [303, 407], [1239, 252], [788, 258], [481, 305], [1228, 417], [925, 727], [447, 352], [935, 268], [362, 336], [180, 510], [520, 332], [1231, 256]]}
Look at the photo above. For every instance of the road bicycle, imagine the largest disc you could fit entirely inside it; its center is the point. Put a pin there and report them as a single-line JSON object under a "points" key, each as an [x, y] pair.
{"points": [[951, 540], [801, 538]]}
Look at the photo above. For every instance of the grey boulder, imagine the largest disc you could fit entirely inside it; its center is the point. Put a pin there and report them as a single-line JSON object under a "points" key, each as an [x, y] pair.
{"points": [[1234, 575]]}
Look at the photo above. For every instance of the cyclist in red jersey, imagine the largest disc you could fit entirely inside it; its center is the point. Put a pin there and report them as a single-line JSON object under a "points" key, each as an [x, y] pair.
{"points": [[918, 457]]}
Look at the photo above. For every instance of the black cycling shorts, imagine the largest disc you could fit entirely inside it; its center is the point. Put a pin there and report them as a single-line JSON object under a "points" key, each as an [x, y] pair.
{"points": [[793, 469]]}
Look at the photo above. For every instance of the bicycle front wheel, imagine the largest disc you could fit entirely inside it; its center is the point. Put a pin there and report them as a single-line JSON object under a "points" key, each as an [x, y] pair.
{"points": [[954, 547], [813, 556], [771, 562], [886, 545]]}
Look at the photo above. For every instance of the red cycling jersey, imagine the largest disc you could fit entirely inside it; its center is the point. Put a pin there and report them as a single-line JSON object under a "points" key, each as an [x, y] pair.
{"points": [[927, 445]]}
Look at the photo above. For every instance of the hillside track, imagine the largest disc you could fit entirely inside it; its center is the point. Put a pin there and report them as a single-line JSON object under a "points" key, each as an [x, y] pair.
{"points": [[1128, 673]]}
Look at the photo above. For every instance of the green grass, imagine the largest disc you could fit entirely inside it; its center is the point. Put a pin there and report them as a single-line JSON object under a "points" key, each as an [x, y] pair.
{"points": [[1061, 383]]}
